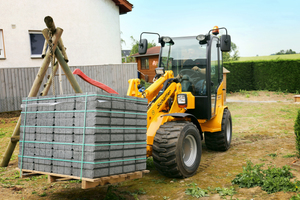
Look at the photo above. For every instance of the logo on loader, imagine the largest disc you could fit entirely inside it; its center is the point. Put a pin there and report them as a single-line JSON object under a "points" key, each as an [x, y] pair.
{"points": [[163, 99]]}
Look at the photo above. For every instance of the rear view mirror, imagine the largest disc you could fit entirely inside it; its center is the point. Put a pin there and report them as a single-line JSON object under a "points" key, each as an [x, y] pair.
{"points": [[143, 46], [225, 43]]}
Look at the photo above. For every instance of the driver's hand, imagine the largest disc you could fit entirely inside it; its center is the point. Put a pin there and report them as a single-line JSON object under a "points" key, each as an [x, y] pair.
{"points": [[179, 76], [197, 69], [203, 71]]}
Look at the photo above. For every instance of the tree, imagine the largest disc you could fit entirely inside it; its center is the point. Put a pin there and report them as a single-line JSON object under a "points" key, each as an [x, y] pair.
{"points": [[135, 45], [232, 55], [290, 52], [282, 52]]}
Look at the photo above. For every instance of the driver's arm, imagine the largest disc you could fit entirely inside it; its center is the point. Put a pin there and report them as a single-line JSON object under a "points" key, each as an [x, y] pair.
{"points": [[195, 68], [179, 76]]}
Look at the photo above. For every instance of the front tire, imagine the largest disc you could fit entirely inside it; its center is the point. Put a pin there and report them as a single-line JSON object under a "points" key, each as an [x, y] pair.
{"points": [[177, 149], [220, 141]]}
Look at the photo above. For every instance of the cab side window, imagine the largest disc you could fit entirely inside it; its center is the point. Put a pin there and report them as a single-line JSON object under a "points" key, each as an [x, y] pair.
{"points": [[214, 63], [214, 70]]}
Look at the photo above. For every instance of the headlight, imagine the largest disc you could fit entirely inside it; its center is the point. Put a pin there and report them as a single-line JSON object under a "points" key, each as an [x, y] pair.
{"points": [[182, 100], [167, 39], [200, 37], [160, 71]]}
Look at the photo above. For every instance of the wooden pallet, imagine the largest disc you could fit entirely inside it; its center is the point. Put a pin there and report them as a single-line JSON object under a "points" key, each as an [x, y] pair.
{"points": [[86, 182]]}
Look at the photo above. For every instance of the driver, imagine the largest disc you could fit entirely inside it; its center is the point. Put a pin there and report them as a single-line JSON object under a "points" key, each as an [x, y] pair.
{"points": [[196, 69], [195, 85]]}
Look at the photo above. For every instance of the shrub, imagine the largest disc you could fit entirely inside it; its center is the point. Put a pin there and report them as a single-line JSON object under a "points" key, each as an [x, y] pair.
{"points": [[144, 83], [240, 76], [272, 75], [297, 133]]}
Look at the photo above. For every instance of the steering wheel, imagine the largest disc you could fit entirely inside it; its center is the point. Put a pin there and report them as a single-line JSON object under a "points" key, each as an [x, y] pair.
{"points": [[189, 72], [193, 75]]}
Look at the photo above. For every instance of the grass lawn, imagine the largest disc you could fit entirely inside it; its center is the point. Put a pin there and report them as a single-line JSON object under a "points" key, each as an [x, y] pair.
{"points": [[262, 132], [272, 57]]}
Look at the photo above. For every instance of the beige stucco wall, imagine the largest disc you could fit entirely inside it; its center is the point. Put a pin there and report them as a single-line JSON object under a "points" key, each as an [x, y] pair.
{"points": [[91, 30]]}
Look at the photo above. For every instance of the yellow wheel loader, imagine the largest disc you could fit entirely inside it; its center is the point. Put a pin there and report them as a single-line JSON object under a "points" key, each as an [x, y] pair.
{"points": [[186, 102]]}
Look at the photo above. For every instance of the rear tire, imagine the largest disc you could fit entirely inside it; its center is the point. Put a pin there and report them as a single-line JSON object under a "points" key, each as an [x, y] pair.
{"points": [[220, 141], [177, 149]]}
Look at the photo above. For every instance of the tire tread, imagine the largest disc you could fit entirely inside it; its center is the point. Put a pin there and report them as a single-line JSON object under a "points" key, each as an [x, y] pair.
{"points": [[217, 141], [164, 148]]}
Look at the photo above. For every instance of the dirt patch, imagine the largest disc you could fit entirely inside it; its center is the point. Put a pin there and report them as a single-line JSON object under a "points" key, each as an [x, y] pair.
{"points": [[261, 96], [16, 188], [9, 118], [249, 139], [262, 133]]}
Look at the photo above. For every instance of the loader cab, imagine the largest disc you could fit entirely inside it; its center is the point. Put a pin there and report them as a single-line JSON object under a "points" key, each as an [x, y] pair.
{"points": [[198, 66]]}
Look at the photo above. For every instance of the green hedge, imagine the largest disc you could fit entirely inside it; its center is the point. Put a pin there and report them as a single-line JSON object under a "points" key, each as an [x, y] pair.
{"points": [[297, 133], [273, 75]]}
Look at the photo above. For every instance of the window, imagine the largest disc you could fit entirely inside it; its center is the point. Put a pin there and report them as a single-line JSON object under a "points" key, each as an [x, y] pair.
{"points": [[145, 63], [36, 44], [221, 66], [214, 63], [2, 49]]}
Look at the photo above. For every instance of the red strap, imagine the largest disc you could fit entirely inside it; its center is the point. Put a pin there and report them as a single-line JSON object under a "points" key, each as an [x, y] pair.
{"points": [[93, 82]]}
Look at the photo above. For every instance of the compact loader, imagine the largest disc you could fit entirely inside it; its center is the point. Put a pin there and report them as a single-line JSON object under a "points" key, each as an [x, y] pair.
{"points": [[186, 102]]}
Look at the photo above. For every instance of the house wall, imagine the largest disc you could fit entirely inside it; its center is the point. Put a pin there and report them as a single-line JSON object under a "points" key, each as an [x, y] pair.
{"points": [[91, 30], [153, 62]]}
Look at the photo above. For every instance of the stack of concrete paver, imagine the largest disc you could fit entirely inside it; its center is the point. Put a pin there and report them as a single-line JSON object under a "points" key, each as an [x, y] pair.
{"points": [[88, 135]]}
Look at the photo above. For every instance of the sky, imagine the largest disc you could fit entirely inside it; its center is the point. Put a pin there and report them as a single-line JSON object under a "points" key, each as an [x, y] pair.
{"points": [[257, 27]]}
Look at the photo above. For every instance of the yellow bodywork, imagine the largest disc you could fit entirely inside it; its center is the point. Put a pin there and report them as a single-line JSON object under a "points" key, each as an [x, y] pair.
{"points": [[214, 124], [161, 107]]}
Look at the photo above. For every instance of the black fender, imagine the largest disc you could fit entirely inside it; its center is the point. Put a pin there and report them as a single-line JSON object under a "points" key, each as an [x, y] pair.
{"points": [[192, 117]]}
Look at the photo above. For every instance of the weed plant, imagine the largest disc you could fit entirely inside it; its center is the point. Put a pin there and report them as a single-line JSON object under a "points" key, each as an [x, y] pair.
{"points": [[272, 155], [196, 191], [111, 195], [271, 180], [250, 177], [289, 156], [149, 163], [297, 197], [222, 191], [255, 93], [158, 181], [43, 194], [243, 92], [226, 191]]}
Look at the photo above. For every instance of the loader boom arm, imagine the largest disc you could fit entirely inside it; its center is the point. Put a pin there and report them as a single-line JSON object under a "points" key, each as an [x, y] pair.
{"points": [[151, 92]]}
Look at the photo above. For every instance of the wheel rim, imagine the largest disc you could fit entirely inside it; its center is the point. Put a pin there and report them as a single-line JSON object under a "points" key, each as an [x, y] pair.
{"points": [[189, 150], [228, 131]]}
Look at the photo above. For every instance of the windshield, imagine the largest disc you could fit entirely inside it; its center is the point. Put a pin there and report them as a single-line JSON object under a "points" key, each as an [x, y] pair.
{"points": [[187, 59]]}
